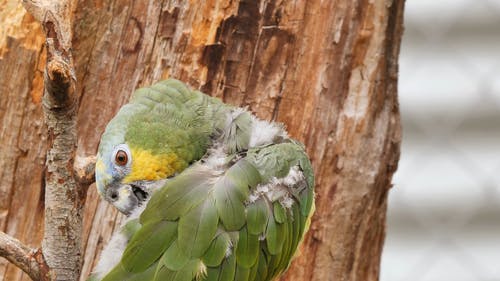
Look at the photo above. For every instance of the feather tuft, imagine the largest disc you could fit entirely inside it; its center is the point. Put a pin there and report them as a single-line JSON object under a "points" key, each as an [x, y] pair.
{"points": [[278, 188], [201, 272], [229, 250], [216, 160], [264, 132]]}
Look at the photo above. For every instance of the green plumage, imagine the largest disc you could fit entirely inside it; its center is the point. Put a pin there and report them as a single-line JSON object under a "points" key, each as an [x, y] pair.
{"points": [[185, 191], [152, 237], [213, 221], [247, 249], [166, 118], [217, 250], [174, 258], [257, 217], [197, 228]]}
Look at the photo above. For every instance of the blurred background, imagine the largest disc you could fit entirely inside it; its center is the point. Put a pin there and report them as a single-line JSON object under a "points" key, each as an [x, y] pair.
{"points": [[444, 209]]}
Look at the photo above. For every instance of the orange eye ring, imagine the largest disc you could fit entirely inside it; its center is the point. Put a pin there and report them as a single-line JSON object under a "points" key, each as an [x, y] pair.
{"points": [[121, 158]]}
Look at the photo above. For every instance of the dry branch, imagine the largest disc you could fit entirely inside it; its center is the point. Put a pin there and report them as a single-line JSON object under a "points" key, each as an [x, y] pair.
{"points": [[61, 244], [85, 170], [27, 259]]}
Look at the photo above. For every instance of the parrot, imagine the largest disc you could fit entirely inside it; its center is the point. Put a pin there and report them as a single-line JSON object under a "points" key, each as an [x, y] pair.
{"points": [[209, 190]]}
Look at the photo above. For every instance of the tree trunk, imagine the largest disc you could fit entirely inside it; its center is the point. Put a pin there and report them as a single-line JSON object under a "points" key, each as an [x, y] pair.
{"points": [[327, 69]]}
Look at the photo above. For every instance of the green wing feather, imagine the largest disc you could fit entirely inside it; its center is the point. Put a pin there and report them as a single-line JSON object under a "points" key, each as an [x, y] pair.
{"points": [[197, 228], [148, 244], [257, 216], [202, 226], [174, 258], [184, 191], [237, 132], [217, 250], [247, 249], [231, 192]]}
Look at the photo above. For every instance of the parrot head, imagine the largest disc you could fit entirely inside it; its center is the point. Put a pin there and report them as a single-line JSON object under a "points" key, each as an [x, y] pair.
{"points": [[155, 136], [134, 159], [113, 166]]}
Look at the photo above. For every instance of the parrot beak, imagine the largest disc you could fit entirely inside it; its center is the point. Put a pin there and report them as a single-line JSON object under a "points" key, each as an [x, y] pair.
{"points": [[139, 193], [126, 197]]}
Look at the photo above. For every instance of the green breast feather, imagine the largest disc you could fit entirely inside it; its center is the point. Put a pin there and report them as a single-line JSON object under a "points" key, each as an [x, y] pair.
{"points": [[238, 212]]}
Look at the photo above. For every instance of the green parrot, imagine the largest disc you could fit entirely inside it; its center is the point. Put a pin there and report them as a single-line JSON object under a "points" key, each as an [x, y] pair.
{"points": [[210, 191]]}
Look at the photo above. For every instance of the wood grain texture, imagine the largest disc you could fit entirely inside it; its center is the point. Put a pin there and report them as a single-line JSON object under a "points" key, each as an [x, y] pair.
{"points": [[327, 69], [22, 135]]}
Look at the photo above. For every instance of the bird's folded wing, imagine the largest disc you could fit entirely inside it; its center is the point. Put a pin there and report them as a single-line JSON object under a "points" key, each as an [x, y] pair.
{"points": [[241, 220]]}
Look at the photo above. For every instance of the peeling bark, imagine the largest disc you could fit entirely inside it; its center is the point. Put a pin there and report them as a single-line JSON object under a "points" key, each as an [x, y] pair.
{"points": [[327, 69]]}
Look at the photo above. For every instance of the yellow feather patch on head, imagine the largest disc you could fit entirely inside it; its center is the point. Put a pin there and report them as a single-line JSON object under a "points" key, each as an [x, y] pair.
{"points": [[149, 166]]}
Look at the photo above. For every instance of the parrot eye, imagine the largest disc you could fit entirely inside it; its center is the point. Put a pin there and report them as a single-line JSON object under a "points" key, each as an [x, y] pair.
{"points": [[121, 158]]}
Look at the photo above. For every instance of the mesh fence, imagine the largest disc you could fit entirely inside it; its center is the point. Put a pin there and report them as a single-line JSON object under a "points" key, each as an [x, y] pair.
{"points": [[444, 210]]}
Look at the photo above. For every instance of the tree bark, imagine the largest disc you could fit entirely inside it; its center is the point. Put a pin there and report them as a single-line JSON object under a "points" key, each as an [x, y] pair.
{"points": [[327, 69], [64, 197]]}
